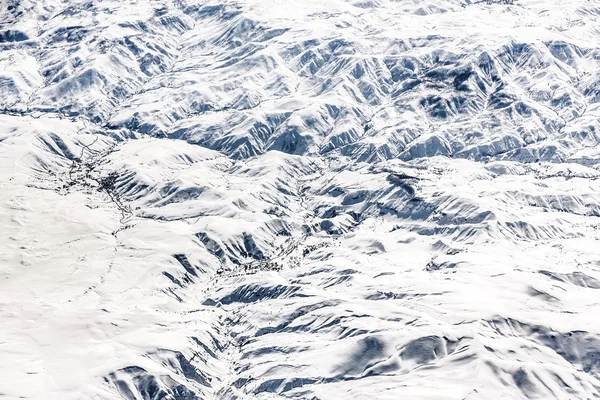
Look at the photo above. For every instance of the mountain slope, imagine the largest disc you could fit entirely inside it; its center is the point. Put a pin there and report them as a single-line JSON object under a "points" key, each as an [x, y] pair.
{"points": [[291, 199]]}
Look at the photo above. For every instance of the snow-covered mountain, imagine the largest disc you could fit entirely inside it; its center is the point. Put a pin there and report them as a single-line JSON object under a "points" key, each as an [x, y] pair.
{"points": [[269, 199]]}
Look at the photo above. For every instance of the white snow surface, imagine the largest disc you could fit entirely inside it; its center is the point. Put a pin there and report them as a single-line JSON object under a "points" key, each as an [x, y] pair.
{"points": [[299, 199]]}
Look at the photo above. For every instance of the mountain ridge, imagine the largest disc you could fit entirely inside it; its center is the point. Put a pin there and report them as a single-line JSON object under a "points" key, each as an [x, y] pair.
{"points": [[286, 199]]}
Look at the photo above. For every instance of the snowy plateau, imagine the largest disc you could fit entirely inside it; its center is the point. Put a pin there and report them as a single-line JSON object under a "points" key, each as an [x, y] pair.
{"points": [[299, 199]]}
